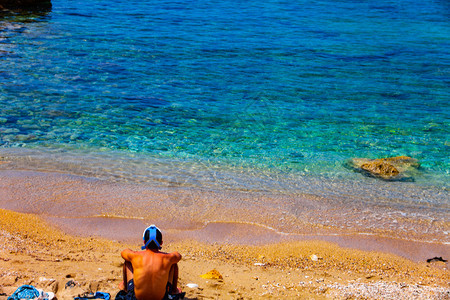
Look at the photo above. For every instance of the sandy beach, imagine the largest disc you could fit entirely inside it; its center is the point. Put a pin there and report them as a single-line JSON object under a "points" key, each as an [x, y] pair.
{"points": [[35, 253], [299, 149], [70, 247]]}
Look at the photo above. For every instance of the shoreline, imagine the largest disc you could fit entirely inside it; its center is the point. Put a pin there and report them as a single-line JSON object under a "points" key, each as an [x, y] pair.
{"points": [[45, 194], [217, 233]]}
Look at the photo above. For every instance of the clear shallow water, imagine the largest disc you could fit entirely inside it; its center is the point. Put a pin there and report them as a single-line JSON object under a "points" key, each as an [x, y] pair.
{"points": [[266, 96]]}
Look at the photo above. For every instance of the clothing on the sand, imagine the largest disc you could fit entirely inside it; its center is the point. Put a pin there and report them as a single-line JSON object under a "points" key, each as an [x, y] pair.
{"points": [[97, 295], [129, 294], [24, 292], [30, 292]]}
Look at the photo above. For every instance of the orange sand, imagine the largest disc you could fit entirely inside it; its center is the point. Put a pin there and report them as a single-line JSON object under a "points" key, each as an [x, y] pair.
{"points": [[33, 252]]}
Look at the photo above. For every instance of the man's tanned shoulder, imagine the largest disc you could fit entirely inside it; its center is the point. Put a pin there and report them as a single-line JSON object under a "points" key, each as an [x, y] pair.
{"points": [[175, 257], [128, 254]]}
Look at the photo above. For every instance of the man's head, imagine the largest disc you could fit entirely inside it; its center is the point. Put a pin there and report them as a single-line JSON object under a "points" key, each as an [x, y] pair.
{"points": [[152, 238]]}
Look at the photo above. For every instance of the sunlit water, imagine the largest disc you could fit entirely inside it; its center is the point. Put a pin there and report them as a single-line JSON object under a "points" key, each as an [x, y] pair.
{"points": [[264, 96]]}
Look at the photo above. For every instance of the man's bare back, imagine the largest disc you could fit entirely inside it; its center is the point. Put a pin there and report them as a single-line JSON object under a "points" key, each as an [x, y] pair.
{"points": [[151, 270], [150, 274]]}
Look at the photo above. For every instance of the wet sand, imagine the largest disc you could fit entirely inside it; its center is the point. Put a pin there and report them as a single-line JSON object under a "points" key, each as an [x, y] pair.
{"points": [[90, 207], [126, 230]]}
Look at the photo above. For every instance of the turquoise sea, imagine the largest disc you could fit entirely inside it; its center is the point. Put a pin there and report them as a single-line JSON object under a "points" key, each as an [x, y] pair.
{"points": [[263, 96]]}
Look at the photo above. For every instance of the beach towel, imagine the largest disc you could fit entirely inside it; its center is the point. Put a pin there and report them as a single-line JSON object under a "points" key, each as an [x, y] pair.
{"points": [[30, 292], [97, 295], [25, 292]]}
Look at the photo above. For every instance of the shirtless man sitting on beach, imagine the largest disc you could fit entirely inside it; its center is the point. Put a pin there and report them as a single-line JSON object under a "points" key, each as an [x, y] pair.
{"points": [[150, 274]]}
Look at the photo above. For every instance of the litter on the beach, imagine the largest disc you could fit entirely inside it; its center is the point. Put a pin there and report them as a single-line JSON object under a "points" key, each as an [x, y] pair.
{"points": [[96, 295], [43, 279], [436, 259], [192, 285], [260, 264], [213, 274], [315, 257]]}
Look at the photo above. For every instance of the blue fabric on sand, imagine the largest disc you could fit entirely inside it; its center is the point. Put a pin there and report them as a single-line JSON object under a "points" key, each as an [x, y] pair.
{"points": [[97, 295], [24, 292]]}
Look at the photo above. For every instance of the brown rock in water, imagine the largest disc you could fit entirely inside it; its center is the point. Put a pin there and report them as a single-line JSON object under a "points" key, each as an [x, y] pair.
{"points": [[391, 168], [402, 162], [380, 168]]}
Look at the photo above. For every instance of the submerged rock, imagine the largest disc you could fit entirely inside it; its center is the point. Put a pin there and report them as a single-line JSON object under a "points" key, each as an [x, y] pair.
{"points": [[25, 4], [380, 168], [391, 168]]}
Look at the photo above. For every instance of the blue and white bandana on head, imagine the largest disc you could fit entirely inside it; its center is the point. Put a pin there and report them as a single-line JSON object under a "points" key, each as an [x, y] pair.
{"points": [[152, 236]]}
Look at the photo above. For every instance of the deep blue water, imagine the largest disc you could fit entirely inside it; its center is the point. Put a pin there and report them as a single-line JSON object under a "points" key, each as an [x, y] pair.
{"points": [[278, 90]]}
